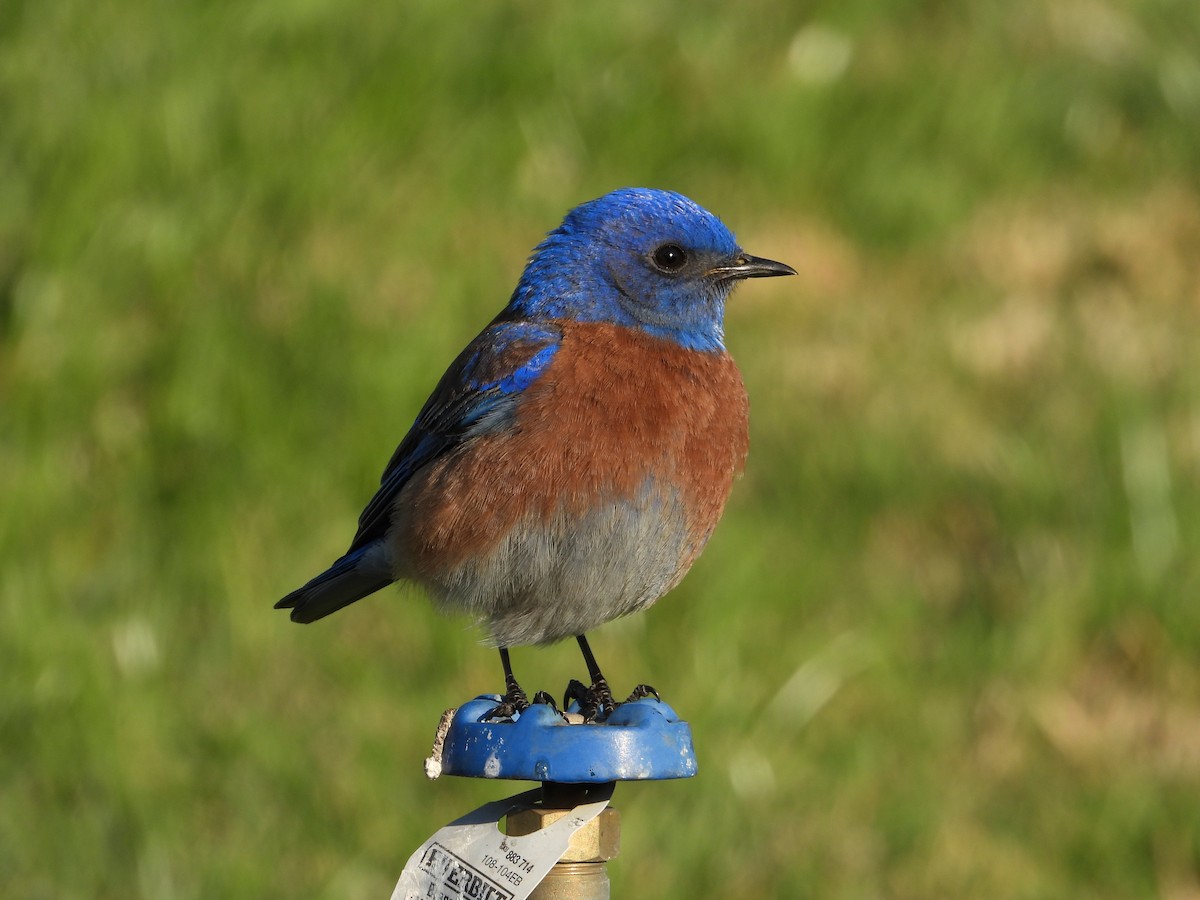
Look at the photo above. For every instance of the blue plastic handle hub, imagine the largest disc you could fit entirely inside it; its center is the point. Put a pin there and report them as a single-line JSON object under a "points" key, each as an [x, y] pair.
{"points": [[643, 740]]}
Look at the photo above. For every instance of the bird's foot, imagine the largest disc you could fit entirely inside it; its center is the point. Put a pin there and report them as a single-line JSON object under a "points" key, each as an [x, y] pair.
{"points": [[595, 702], [510, 705], [515, 701]]}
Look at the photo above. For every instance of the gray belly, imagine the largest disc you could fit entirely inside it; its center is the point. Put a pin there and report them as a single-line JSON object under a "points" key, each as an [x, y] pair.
{"points": [[547, 580]]}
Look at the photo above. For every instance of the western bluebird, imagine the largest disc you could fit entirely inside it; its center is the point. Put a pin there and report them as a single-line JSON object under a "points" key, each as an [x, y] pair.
{"points": [[574, 459]]}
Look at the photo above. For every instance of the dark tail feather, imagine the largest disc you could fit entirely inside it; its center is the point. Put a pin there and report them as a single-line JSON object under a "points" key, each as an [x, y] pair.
{"points": [[350, 578]]}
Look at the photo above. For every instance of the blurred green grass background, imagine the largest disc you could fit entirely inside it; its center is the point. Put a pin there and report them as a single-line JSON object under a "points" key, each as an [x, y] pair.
{"points": [[946, 642]]}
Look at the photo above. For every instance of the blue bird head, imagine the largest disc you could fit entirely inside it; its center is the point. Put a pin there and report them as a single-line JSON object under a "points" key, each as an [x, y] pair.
{"points": [[641, 258]]}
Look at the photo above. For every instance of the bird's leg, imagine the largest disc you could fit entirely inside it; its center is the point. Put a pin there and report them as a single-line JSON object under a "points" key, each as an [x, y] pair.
{"points": [[514, 700], [596, 700], [599, 686]]}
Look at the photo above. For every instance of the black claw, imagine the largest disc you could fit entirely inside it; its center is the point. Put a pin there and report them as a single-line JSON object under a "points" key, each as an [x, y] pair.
{"points": [[576, 690], [642, 691], [543, 697], [589, 708], [595, 702], [505, 710]]}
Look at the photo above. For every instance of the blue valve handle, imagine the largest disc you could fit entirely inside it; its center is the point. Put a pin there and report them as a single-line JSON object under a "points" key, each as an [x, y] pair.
{"points": [[642, 740]]}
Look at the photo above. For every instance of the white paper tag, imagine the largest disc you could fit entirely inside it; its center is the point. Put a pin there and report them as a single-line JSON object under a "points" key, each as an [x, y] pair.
{"points": [[472, 859]]}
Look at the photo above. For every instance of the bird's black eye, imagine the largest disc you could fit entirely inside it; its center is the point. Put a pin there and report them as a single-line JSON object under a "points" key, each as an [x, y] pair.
{"points": [[670, 257]]}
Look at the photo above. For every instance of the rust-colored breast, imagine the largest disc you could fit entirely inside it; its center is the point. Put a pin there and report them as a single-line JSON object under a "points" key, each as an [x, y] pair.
{"points": [[616, 410]]}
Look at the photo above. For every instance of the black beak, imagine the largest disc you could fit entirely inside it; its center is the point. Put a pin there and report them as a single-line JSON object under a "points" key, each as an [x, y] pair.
{"points": [[747, 266]]}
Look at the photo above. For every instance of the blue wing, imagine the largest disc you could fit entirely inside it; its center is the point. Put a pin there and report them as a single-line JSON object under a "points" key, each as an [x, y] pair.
{"points": [[477, 395]]}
